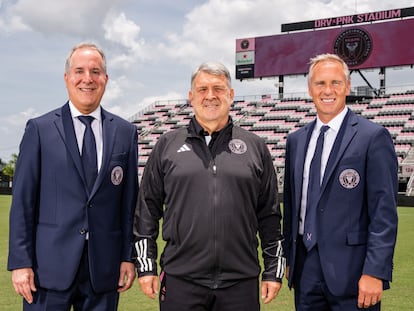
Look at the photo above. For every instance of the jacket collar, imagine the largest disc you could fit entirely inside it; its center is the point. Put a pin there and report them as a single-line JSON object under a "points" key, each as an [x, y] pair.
{"points": [[195, 129]]}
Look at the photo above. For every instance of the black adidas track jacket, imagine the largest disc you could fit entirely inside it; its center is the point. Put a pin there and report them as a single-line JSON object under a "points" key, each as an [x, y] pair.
{"points": [[213, 202]]}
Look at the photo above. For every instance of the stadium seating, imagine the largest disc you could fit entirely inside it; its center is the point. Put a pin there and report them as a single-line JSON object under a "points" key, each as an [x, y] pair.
{"points": [[274, 119]]}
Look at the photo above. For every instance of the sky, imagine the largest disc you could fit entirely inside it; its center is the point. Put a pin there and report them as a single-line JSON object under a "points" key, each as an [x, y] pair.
{"points": [[152, 47]]}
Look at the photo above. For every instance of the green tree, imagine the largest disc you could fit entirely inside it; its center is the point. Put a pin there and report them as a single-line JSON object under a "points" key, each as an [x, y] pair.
{"points": [[9, 168]]}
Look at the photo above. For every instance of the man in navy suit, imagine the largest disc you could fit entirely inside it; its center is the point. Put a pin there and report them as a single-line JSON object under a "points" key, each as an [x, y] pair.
{"points": [[70, 244], [342, 259]]}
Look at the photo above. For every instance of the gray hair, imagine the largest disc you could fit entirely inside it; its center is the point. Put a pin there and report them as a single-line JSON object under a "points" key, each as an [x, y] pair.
{"points": [[85, 45], [213, 68], [328, 57]]}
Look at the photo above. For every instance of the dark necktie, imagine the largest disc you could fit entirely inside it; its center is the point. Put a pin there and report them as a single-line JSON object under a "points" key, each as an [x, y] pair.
{"points": [[314, 187], [89, 157]]}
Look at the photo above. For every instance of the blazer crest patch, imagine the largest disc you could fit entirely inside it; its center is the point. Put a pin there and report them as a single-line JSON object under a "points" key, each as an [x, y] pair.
{"points": [[349, 178], [117, 175]]}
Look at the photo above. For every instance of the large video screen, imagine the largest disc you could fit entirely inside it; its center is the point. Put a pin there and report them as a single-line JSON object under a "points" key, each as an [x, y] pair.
{"points": [[381, 44]]}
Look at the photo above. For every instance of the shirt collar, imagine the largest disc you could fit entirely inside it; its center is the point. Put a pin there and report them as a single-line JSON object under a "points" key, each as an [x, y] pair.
{"points": [[335, 123], [200, 131], [76, 113]]}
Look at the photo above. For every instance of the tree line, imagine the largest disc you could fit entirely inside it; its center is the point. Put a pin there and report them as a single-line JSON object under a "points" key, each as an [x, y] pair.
{"points": [[7, 169]]}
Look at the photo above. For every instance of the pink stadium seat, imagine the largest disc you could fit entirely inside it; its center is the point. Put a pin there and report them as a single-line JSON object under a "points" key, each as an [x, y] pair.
{"points": [[274, 119]]}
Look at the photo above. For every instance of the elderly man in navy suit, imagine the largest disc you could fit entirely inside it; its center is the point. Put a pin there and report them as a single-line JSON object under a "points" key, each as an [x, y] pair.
{"points": [[340, 196], [74, 196]]}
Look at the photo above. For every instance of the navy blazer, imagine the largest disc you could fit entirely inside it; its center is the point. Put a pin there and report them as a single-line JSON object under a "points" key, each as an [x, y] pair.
{"points": [[357, 211], [52, 210]]}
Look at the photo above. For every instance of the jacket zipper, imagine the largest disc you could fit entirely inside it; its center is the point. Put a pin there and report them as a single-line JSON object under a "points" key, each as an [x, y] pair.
{"points": [[215, 205]]}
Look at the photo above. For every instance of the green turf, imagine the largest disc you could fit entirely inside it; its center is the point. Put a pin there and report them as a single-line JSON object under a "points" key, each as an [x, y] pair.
{"points": [[399, 298]]}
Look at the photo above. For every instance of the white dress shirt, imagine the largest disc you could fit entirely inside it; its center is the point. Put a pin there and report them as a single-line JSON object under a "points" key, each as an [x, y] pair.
{"points": [[330, 136], [96, 128]]}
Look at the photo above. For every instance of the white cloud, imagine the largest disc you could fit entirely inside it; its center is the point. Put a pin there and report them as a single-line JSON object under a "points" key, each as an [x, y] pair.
{"points": [[11, 130], [123, 33], [75, 18], [121, 30], [18, 119], [10, 23], [210, 29], [114, 89]]}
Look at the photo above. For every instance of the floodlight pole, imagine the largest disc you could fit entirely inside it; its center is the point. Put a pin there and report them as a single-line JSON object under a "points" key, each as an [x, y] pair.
{"points": [[281, 87], [366, 81], [382, 81]]}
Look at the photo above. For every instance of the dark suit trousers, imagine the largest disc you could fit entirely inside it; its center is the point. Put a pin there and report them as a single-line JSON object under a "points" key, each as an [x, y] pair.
{"points": [[80, 294], [311, 292]]}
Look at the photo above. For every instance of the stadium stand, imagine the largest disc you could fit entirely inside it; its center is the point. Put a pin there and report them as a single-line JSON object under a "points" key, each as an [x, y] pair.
{"points": [[274, 119]]}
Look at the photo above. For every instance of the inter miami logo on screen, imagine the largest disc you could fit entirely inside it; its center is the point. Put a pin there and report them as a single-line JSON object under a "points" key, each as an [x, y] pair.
{"points": [[244, 44], [354, 46]]}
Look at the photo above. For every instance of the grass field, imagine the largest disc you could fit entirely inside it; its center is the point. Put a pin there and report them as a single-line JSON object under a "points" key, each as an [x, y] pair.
{"points": [[399, 298]]}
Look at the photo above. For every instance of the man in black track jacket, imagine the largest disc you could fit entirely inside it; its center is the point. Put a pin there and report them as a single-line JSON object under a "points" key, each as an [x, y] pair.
{"points": [[215, 187]]}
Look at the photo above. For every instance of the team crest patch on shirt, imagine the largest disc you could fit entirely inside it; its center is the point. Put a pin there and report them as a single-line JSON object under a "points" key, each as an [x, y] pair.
{"points": [[117, 175], [237, 146], [349, 178]]}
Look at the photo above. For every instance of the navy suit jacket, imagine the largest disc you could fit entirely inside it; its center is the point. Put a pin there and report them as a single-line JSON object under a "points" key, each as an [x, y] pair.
{"points": [[52, 209], [357, 215]]}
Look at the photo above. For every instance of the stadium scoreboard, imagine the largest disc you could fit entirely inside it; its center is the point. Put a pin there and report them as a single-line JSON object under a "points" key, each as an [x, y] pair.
{"points": [[368, 40]]}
